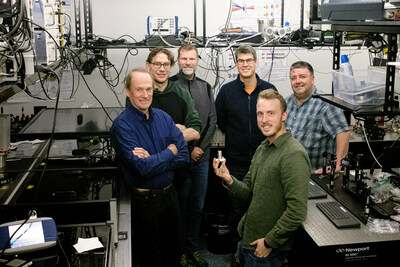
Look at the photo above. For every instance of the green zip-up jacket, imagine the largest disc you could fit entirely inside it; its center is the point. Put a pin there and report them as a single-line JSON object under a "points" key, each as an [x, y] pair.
{"points": [[177, 103], [276, 187]]}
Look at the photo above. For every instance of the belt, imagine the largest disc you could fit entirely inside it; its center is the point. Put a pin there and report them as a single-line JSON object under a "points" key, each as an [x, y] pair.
{"points": [[146, 191]]}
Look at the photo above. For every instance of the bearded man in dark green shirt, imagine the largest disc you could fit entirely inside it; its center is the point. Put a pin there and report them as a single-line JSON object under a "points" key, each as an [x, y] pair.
{"points": [[276, 186]]}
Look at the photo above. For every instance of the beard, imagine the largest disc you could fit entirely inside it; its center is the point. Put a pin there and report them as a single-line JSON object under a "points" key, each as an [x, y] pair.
{"points": [[274, 129], [188, 71]]}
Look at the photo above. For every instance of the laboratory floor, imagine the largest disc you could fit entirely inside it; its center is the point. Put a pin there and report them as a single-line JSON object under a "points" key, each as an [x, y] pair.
{"points": [[213, 259]]}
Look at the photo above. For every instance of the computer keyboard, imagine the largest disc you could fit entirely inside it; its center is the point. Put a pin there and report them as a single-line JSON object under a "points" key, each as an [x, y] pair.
{"points": [[315, 191], [338, 215]]}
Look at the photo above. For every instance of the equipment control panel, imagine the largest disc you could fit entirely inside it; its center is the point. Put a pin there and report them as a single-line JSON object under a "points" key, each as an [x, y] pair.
{"points": [[162, 25]]}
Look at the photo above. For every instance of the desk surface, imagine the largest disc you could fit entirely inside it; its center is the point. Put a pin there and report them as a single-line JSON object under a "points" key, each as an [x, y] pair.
{"points": [[324, 232]]}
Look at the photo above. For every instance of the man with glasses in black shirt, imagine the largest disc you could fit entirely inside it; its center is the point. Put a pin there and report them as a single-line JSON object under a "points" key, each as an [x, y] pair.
{"points": [[171, 98]]}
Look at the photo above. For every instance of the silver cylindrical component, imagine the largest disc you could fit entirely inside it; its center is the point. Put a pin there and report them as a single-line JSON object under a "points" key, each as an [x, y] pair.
{"points": [[219, 154]]}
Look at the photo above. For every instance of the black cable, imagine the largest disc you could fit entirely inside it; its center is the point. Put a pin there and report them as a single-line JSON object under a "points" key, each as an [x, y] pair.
{"points": [[371, 170], [115, 94], [90, 90], [272, 63], [102, 69], [3, 249], [127, 35], [118, 73], [62, 57], [72, 64], [73, 82], [63, 252], [215, 70], [26, 90], [51, 139], [87, 85], [18, 22], [4, 10]]}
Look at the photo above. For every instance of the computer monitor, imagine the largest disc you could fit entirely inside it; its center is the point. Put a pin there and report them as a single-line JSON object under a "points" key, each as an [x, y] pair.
{"points": [[34, 234]]}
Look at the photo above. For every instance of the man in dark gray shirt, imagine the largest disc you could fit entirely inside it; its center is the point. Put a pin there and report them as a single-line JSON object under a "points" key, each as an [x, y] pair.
{"points": [[192, 191]]}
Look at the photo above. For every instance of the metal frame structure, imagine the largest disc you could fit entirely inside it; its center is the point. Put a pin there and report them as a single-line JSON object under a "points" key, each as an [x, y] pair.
{"points": [[390, 70], [391, 29], [88, 22]]}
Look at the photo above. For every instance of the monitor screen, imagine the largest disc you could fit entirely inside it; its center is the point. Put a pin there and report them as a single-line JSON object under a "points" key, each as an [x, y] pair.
{"points": [[34, 234], [30, 233]]}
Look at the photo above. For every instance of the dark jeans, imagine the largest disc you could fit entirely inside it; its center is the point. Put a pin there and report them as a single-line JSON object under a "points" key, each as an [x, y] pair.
{"points": [[236, 207], [155, 229], [191, 195], [248, 259]]}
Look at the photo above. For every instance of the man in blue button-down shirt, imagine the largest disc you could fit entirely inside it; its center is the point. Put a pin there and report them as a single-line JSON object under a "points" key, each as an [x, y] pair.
{"points": [[149, 148]]}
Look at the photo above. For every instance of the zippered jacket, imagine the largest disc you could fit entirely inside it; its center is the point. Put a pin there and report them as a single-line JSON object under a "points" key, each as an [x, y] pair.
{"points": [[203, 97], [237, 118]]}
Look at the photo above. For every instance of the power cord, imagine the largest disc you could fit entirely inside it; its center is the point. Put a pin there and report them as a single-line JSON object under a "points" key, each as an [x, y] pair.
{"points": [[370, 149]]}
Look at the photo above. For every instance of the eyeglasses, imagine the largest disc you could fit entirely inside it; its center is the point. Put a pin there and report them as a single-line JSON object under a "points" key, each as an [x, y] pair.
{"points": [[248, 61], [158, 65]]}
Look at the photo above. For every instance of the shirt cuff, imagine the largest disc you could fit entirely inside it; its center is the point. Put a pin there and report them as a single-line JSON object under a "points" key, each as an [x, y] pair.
{"points": [[266, 244]]}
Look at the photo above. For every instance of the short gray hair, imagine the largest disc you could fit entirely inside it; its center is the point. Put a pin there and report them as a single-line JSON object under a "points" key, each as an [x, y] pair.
{"points": [[245, 49]]}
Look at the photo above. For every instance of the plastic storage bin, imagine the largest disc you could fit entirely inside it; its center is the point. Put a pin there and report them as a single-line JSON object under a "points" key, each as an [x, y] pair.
{"points": [[367, 87]]}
